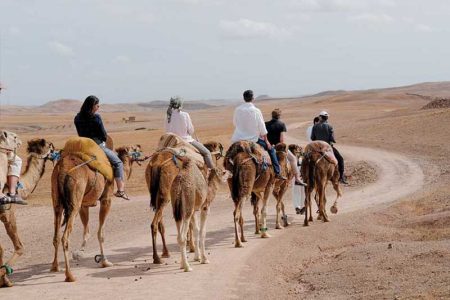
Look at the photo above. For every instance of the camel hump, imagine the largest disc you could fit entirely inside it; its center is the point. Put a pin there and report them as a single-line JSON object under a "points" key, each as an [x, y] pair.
{"points": [[249, 147], [86, 149], [323, 148], [170, 140]]}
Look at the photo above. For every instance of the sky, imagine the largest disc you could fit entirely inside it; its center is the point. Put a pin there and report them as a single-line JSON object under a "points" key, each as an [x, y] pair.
{"points": [[143, 50]]}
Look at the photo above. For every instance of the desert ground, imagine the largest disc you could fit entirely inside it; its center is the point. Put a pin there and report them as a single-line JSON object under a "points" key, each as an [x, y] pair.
{"points": [[389, 240]]}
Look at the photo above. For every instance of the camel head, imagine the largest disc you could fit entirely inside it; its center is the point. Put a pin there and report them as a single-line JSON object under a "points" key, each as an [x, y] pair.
{"points": [[220, 175], [130, 153], [9, 140], [296, 150], [215, 148], [41, 149], [280, 147]]}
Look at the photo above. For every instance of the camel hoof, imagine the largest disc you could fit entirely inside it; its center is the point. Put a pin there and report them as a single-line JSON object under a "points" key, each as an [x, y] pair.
{"points": [[188, 269], [165, 255], [70, 278], [257, 232], [191, 250], [238, 245], [334, 209], [326, 220], [265, 235], [5, 282], [244, 240], [157, 261], [279, 227], [77, 255], [305, 224], [106, 263], [205, 261], [54, 268], [196, 258]]}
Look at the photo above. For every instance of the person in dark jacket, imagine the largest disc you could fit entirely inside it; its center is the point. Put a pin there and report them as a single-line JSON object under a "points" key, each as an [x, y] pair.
{"points": [[89, 124], [275, 134], [324, 132]]}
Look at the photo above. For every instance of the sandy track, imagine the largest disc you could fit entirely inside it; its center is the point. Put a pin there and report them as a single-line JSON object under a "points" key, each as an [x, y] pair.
{"points": [[128, 244]]}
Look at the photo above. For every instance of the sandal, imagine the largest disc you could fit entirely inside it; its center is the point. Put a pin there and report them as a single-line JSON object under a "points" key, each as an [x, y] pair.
{"points": [[122, 194]]}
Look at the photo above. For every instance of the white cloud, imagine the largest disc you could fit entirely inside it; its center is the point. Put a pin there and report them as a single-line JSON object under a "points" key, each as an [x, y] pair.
{"points": [[368, 18], [123, 59], [424, 28], [245, 28], [61, 49]]}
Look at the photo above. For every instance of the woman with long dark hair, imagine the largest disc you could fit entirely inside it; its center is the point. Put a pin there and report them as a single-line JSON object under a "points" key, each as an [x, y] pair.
{"points": [[89, 124]]}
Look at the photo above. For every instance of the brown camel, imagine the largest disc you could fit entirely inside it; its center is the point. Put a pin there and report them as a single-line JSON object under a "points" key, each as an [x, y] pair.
{"points": [[281, 186], [75, 187], [39, 152], [252, 178], [318, 167], [163, 168]]}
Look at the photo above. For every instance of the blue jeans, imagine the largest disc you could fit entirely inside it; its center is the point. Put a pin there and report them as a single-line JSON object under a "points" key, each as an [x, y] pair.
{"points": [[115, 161], [272, 154]]}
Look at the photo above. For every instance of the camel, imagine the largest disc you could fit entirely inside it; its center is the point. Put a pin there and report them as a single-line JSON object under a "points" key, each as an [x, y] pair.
{"points": [[189, 189], [162, 169], [76, 187], [39, 152], [281, 186], [252, 178], [318, 167]]}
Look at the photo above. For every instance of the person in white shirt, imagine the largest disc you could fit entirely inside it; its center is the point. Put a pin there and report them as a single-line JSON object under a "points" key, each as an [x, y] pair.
{"points": [[309, 129], [179, 122], [249, 126]]}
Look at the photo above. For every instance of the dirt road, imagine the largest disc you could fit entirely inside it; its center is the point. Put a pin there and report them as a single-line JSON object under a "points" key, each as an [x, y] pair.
{"points": [[128, 244]]}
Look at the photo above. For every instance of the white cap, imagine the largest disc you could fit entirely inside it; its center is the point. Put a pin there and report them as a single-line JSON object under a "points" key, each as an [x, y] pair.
{"points": [[323, 113]]}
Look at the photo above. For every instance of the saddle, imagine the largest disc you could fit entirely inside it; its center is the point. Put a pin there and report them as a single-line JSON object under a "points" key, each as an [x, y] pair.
{"points": [[179, 147], [257, 153], [323, 148], [88, 151]]}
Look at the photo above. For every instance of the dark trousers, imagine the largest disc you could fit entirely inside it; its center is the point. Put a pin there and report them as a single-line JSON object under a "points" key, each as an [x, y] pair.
{"points": [[272, 154], [340, 160]]}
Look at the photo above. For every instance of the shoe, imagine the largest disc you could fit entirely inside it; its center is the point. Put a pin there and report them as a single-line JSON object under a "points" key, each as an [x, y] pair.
{"points": [[302, 210], [343, 181], [122, 194], [298, 210], [300, 182], [13, 199], [279, 176]]}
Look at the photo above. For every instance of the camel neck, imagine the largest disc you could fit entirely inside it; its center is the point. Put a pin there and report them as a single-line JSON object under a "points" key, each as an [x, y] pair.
{"points": [[33, 173]]}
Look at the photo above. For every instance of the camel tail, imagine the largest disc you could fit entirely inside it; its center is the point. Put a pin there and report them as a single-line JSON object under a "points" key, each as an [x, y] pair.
{"points": [[178, 207], [154, 186], [236, 184], [311, 166], [66, 199]]}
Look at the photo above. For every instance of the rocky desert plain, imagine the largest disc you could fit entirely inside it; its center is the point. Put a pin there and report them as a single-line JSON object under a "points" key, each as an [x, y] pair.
{"points": [[389, 240]]}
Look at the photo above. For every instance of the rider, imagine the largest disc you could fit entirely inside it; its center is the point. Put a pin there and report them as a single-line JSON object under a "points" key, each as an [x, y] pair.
{"points": [[89, 124], [324, 132], [179, 122], [249, 126], [275, 134], [14, 167]]}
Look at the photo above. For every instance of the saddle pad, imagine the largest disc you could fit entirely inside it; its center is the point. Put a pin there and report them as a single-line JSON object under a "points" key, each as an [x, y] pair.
{"points": [[170, 140], [85, 149], [251, 147], [322, 147]]}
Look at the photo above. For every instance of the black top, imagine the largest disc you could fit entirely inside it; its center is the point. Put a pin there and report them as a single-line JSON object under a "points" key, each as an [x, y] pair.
{"points": [[274, 129], [323, 132], [91, 127]]}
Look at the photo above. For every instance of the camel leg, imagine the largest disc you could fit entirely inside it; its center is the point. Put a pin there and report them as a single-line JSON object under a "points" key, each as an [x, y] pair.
{"points": [[203, 216], [237, 216], [283, 211], [257, 217], [195, 236], [264, 228], [278, 208], [190, 241], [182, 236], [11, 230], [105, 206], [65, 245], [4, 281], [84, 216], [57, 210], [162, 232], [154, 227], [307, 205]]}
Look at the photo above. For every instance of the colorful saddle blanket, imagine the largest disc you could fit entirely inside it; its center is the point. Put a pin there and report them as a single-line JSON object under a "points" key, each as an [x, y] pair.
{"points": [[257, 153], [86, 149]]}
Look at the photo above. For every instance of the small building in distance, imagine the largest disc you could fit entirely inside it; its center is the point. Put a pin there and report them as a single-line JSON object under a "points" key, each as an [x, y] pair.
{"points": [[130, 119]]}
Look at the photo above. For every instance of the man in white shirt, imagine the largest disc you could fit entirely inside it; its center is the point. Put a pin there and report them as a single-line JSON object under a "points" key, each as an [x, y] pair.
{"points": [[179, 122], [309, 129], [249, 126]]}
